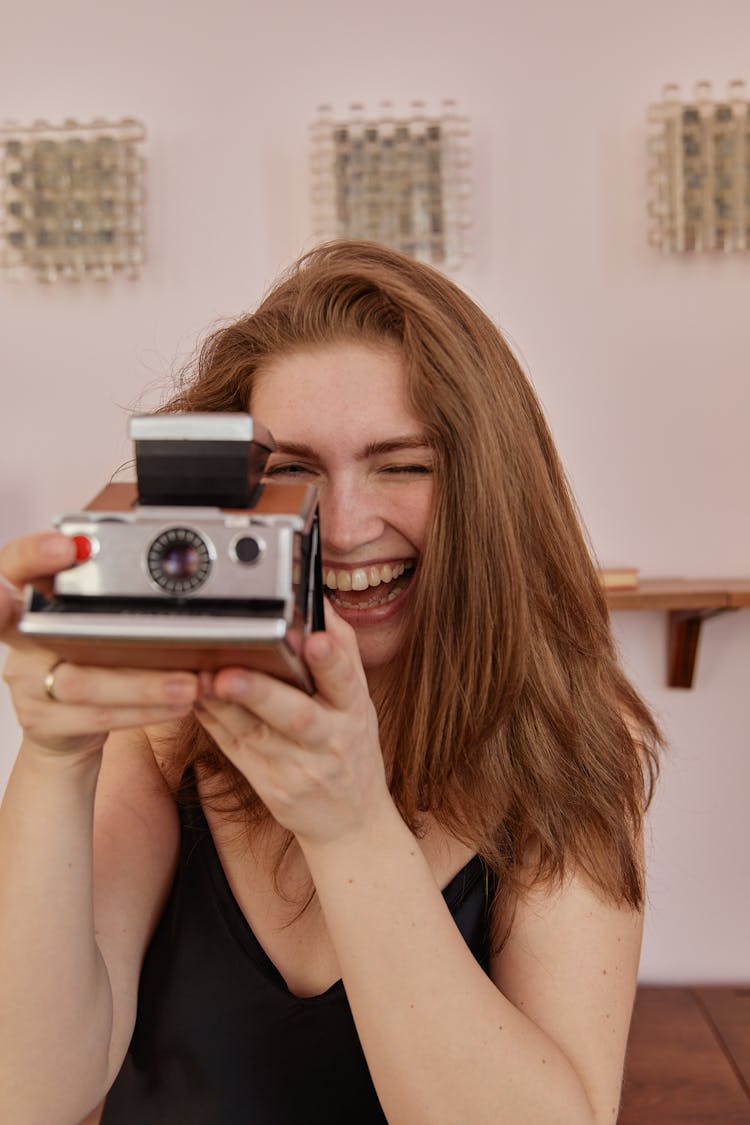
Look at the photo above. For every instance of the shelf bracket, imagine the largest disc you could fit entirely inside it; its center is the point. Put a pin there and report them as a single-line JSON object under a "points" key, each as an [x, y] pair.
{"points": [[684, 634]]}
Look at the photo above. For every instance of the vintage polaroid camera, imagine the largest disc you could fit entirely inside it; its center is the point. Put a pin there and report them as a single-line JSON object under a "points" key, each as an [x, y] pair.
{"points": [[199, 566]]}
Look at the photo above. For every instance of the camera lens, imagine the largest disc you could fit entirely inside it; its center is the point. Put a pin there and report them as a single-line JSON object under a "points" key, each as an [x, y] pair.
{"points": [[178, 560]]}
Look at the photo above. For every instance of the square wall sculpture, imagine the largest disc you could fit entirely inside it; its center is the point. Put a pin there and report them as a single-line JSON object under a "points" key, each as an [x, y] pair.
{"points": [[72, 200], [399, 180], [700, 171]]}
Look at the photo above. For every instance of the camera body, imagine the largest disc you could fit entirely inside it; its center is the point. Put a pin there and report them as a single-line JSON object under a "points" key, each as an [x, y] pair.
{"points": [[198, 566]]}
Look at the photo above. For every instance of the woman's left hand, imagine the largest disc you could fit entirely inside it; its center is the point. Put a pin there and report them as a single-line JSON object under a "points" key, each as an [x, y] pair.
{"points": [[315, 761]]}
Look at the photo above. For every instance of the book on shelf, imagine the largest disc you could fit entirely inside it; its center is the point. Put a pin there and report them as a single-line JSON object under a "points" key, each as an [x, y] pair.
{"points": [[618, 577]]}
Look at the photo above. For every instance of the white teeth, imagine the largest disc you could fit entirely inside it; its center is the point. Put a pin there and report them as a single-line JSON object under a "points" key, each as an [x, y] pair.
{"points": [[375, 600], [363, 577], [359, 580]]}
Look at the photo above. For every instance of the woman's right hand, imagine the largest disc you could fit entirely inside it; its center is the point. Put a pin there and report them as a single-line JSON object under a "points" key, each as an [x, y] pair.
{"points": [[88, 702]]}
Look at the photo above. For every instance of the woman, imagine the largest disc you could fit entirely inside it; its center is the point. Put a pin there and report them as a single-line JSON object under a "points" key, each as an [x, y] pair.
{"points": [[414, 896]]}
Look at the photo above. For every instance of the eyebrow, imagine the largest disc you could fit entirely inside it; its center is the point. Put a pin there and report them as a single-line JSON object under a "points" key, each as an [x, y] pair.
{"points": [[372, 449]]}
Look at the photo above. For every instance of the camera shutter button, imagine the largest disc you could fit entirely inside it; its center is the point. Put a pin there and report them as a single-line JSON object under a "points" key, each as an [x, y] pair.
{"points": [[85, 547]]}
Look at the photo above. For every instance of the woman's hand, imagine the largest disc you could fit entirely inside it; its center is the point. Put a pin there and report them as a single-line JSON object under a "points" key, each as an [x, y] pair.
{"points": [[315, 761], [35, 558], [87, 703]]}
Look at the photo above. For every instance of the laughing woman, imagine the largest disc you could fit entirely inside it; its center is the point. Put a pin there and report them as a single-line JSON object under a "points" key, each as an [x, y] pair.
{"points": [[414, 896]]}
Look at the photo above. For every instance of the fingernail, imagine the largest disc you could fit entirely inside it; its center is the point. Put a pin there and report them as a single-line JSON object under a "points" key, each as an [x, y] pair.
{"points": [[323, 646], [239, 682], [205, 684], [180, 691], [55, 549]]}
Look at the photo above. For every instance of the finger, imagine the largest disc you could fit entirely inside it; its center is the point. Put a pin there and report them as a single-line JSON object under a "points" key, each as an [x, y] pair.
{"points": [[238, 731], [102, 687], [129, 687], [69, 720], [345, 635], [339, 628], [296, 716], [235, 719], [36, 556], [336, 668]]}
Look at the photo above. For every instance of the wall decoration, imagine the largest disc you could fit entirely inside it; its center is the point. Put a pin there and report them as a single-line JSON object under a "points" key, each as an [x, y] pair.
{"points": [[700, 171], [399, 180], [72, 200]]}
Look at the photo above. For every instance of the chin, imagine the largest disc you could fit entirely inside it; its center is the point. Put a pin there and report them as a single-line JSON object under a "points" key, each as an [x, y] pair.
{"points": [[378, 652], [378, 645]]}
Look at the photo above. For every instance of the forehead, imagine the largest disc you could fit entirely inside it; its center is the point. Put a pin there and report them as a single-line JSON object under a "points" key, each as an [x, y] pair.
{"points": [[345, 387]]}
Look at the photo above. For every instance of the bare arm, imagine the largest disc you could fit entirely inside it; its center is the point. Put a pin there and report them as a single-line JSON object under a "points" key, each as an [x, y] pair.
{"points": [[75, 918], [570, 965], [88, 840], [444, 1042], [543, 1041]]}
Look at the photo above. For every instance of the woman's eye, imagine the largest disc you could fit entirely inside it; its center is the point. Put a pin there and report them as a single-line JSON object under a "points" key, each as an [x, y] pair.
{"points": [[293, 469], [415, 470]]}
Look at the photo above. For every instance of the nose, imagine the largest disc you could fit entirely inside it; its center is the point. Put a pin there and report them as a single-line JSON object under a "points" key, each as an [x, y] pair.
{"points": [[349, 518]]}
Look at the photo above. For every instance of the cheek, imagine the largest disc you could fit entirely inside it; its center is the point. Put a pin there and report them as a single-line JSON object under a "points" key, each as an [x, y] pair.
{"points": [[416, 517]]}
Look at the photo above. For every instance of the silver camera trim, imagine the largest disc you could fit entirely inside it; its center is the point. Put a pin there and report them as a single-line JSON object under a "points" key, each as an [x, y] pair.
{"points": [[200, 426]]}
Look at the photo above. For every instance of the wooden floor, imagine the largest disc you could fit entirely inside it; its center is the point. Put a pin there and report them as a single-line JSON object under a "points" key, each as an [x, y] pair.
{"points": [[688, 1057]]}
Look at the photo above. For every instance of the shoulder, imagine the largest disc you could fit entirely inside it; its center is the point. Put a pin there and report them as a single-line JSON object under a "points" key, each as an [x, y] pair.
{"points": [[570, 964]]}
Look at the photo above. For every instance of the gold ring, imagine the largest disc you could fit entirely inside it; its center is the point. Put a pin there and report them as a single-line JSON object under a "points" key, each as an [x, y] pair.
{"points": [[49, 682]]}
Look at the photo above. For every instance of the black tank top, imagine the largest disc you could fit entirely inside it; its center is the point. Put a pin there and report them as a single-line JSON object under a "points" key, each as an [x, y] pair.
{"points": [[219, 1038]]}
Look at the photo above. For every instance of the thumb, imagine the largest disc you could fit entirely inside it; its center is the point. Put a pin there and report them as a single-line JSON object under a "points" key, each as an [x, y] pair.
{"points": [[36, 556]]}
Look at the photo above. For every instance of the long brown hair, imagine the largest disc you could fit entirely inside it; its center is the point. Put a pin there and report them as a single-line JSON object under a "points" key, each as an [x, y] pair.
{"points": [[507, 717]]}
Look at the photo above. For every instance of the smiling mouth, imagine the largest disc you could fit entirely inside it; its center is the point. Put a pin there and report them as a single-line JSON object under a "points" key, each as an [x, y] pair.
{"points": [[367, 587]]}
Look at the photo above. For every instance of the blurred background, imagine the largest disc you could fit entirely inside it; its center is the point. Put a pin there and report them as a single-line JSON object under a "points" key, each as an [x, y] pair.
{"points": [[640, 358]]}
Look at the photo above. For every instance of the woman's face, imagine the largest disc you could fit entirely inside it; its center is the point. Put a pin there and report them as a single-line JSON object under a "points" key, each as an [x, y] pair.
{"points": [[341, 421]]}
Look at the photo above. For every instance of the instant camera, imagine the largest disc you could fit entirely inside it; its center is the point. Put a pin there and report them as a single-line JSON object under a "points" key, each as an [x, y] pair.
{"points": [[200, 565]]}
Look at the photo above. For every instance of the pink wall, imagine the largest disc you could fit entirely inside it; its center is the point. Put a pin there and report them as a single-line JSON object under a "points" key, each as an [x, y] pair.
{"points": [[640, 360]]}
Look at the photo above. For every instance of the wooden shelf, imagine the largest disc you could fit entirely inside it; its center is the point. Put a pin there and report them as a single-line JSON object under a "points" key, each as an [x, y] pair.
{"points": [[689, 602]]}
